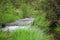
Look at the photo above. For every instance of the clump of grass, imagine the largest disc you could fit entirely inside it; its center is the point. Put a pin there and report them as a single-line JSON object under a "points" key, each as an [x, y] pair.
{"points": [[57, 30], [41, 21], [24, 34], [28, 34], [4, 35]]}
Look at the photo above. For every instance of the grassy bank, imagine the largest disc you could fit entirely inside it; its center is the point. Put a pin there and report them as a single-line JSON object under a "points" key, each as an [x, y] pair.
{"points": [[25, 34]]}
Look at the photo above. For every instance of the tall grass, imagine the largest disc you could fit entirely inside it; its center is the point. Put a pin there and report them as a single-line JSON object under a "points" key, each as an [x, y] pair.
{"points": [[4, 35], [28, 34], [24, 34], [41, 22]]}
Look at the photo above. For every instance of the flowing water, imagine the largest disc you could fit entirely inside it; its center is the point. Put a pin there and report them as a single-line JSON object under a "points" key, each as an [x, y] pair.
{"points": [[19, 24]]}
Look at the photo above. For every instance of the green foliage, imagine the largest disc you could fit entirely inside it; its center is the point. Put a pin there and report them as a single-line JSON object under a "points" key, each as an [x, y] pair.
{"points": [[24, 34], [58, 23], [4, 35], [43, 11], [57, 33], [28, 34], [57, 30], [49, 14], [26, 10], [8, 12], [11, 10], [41, 22]]}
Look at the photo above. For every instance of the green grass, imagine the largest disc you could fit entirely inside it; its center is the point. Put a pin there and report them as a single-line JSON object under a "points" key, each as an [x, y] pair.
{"points": [[24, 34], [41, 22], [4, 35], [28, 34], [57, 30]]}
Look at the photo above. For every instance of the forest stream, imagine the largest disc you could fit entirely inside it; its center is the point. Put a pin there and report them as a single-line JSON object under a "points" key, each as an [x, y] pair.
{"points": [[19, 24]]}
